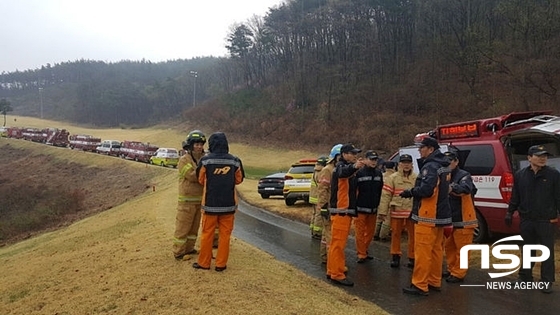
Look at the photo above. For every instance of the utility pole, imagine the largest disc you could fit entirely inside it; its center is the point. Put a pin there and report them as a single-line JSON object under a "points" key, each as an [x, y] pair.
{"points": [[41, 97], [195, 75]]}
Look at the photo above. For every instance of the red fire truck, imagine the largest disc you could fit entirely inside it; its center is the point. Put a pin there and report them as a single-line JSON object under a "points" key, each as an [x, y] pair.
{"points": [[35, 135], [15, 132], [492, 150], [138, 151], [84, 142], [57, 137]]}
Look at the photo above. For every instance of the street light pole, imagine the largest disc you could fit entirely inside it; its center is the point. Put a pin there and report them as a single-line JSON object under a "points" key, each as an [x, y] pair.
{"points": [[41, 97], [195, 75]]}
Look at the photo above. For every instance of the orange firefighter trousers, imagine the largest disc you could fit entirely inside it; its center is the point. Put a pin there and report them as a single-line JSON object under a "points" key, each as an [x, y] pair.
{"points": [[187, 222], [224, 222], [428, 254], [336, 262], [397, 226], [365, 228], [458, 239]]}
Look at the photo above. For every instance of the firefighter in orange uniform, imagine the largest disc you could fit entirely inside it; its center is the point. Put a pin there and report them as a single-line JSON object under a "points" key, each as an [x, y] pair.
{"points": [[342, 209], [323, 198], [316, 224], [463, 215], [218, 172], [399, 209], [370, 183], [432, 215], [187, 220]]}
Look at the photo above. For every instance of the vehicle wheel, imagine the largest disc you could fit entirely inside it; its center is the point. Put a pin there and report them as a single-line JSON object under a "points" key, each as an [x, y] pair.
{"points": [[136, 159], [162, 164], [290, 201], [265, 196], [481, 232], [151, 162]]}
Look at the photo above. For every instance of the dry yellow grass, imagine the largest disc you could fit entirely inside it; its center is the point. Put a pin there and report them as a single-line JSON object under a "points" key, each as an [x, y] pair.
{"points": [[119, 262]]}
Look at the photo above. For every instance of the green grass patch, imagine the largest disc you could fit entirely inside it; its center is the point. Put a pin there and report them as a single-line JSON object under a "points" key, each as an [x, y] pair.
{"points": [[256, 172], [13, 297]]}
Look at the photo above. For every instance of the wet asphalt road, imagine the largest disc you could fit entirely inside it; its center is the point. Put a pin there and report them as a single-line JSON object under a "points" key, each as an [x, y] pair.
{"points": [[375, 281]]}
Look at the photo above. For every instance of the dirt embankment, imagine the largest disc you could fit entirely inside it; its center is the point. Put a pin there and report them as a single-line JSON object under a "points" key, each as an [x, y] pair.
{"points": [[40, 192]]}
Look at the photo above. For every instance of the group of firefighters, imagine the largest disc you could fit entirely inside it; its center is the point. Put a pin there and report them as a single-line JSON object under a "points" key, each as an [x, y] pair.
{"points": [[435, 208], [207, 199]]}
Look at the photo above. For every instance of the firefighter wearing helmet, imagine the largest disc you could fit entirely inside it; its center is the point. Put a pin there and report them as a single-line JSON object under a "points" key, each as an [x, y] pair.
{"points": [[190, 196], [323, 197]]}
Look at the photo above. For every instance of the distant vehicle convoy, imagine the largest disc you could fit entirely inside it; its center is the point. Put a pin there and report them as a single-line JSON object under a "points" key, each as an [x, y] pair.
{"points": [[133, 150]]}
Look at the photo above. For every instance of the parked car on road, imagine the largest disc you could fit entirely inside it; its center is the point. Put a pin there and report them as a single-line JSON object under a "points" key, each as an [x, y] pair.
{"points": [[271, 185], [165, 157], [3, 132], [298, 181]]}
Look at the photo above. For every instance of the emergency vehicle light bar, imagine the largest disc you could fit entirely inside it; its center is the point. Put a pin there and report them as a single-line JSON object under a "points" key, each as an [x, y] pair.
{"points": [[463, 130], [307, 160]]}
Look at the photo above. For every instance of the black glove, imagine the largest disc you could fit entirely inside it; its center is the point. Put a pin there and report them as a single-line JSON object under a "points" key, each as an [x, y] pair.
{"points": [[507, 219], [325, 213], [406, 194]]}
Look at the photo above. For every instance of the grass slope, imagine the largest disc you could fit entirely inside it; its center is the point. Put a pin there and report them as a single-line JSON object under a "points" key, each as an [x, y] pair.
{"points": [[119, 261]]}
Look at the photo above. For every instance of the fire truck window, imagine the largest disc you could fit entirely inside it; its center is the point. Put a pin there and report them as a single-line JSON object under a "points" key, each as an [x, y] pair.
{"points": [[479, 158]]}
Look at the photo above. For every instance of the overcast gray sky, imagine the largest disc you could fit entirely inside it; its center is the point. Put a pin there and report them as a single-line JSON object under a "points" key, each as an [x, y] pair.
{"points": [[36, 32]]}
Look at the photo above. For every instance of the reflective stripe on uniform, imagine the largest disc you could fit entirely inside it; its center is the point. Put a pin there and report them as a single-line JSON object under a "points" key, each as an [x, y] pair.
{"points": [[190, 198], [400, 213], [185, 169], [179, 241], [219, 209], [463, 224], [364, 210], [419, 219], [221, 162], [342, 211]]}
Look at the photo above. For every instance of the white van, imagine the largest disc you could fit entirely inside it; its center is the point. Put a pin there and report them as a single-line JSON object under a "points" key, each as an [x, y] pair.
{"points": [[109, 147]]}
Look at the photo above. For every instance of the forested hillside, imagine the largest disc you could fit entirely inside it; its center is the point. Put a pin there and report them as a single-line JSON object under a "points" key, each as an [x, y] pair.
{"points": [[374, 72]]}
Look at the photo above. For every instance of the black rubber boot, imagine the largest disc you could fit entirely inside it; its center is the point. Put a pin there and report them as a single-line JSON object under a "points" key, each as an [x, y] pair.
{"points": [[396, 261], [410, 263]]}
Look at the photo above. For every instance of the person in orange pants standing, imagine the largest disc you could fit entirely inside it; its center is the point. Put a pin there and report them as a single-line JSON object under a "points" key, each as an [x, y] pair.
{"points": [[342, 209], [370, 183], [399, 209], [218, 172], [463, 215], [431, 213]]}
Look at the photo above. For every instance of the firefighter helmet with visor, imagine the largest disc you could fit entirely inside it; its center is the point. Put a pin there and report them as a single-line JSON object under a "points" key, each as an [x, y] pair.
{"points": [[195, 136]]}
